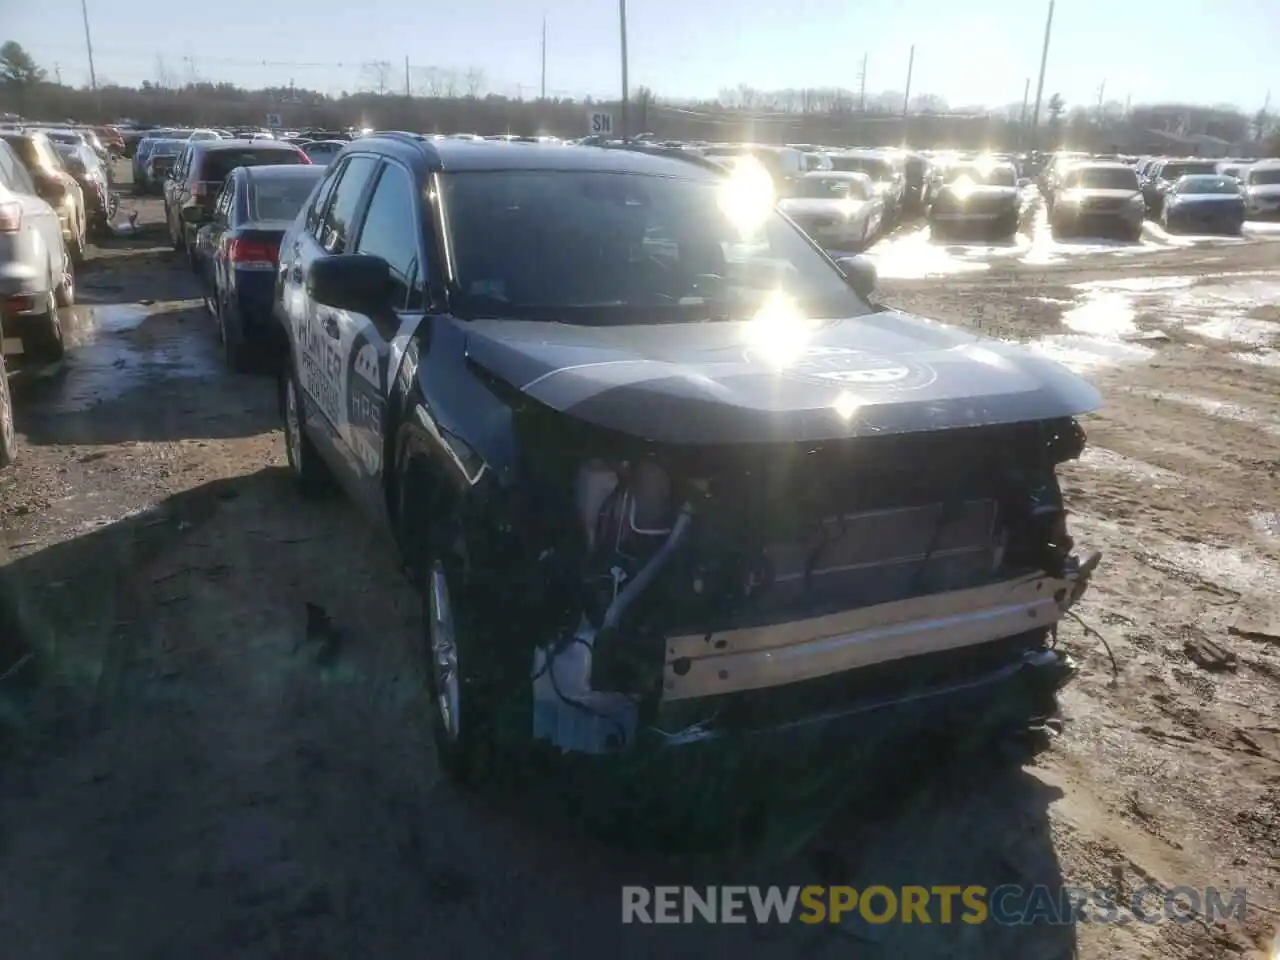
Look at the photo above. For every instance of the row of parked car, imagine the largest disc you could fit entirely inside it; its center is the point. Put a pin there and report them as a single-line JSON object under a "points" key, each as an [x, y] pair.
{"points": [[1183, 194]]}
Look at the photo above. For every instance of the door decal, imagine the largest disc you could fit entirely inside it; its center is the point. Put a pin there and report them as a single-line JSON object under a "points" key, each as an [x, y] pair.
{"points": [[365, 379]]}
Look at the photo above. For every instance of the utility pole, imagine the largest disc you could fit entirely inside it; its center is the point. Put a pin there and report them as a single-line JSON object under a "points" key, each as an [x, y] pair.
{"points": [[622, 26], [1044, 61], [911, 64], [57, 74], [408, 92], [862, 86], [1102, 92], [88, 42], [544, 58], [1022, 119]]}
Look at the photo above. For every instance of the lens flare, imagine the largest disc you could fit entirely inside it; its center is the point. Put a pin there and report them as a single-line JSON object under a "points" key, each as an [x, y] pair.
{"points": [[747, 195], [779, 333]]}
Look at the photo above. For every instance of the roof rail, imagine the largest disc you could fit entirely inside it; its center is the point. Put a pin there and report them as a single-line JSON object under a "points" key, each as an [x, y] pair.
{"points": [[656, 150]]}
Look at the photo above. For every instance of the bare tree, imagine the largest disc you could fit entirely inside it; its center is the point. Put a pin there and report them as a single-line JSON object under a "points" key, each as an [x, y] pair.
{"points": [[473, 80], [164, 78], [378, 73]]}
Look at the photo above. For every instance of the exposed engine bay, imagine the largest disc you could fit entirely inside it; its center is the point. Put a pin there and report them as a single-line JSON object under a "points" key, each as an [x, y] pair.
{"points": [[726, 589]]}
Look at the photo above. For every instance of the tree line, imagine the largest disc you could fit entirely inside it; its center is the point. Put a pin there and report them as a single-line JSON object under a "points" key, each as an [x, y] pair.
{"points": [[446, 101]]}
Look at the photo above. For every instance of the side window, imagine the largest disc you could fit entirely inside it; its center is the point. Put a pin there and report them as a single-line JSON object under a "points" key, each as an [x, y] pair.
{"points": [[335, 231], [390, 231], [21, 180], [7, 167], [222, 207], [315, 215]]}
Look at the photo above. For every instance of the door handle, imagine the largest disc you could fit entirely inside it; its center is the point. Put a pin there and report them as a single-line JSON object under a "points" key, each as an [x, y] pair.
{"points": [[331, 327]]}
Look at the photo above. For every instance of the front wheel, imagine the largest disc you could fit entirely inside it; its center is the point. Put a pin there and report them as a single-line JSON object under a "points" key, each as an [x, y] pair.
{"points": [[8, 433], [310, 472], [43, 342]]}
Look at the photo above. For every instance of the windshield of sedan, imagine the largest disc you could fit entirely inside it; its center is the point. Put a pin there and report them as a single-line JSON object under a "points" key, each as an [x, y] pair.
{"points": [[877, 169], [1102, 178], [1204, 184], [997, 176], [831, 188], [599, 248], [1265, 177], [1172, 171]]}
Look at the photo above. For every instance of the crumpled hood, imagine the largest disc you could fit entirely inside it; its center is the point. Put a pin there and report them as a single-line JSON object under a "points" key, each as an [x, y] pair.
{"points": [[688, 383]]}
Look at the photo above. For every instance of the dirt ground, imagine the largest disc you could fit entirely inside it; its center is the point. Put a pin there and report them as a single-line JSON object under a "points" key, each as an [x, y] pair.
{"points": [[186, 772]]}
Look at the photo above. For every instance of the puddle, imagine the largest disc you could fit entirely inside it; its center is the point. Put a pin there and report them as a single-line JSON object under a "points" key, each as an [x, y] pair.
{"points": [[914, 256], [1224, 310], [1218, 409], [1100, 458], [1267, 524], [114, 349], [1230, 568], [1084, 354], [1262, 358]]}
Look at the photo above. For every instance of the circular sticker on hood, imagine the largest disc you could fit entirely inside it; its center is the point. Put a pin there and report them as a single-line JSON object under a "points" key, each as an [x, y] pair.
{"points": [[857, 369]]}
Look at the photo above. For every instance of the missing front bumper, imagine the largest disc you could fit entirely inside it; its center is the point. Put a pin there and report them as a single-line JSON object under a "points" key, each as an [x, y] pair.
{"points": [[756, 658]]}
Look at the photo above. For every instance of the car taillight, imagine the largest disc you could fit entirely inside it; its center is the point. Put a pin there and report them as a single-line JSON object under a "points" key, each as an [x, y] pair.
{"points": [[251, 254], [10, 217]]}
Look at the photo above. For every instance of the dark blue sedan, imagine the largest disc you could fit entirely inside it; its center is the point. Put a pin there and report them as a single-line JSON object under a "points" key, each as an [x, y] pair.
{"points": [[1204, 203], [236, 253]]}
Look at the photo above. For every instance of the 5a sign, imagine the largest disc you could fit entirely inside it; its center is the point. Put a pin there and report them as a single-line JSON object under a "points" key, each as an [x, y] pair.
{"points": [[273, 120], [600, 124]]}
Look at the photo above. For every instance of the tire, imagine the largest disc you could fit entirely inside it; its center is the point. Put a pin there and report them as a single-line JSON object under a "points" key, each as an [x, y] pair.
{"points": [[43, 343], [8, 435], [175, 237], [236, 353], [457, 691], [76, 249], [310, 472], [64, 293]]}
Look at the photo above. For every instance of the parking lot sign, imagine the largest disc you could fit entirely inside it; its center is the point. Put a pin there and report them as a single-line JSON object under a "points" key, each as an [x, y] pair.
{"points": [[599, 124], [273, 120]]}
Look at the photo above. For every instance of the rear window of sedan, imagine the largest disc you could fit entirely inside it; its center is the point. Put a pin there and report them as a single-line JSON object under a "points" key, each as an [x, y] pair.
{"points": [[279, 198], [218, 163]]}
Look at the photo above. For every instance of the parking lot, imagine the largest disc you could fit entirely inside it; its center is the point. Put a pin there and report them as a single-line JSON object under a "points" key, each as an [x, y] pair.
{"points": [[204, 776]]}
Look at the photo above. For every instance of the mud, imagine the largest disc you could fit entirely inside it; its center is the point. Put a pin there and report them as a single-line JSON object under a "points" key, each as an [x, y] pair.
{"points": [[184, 771]]}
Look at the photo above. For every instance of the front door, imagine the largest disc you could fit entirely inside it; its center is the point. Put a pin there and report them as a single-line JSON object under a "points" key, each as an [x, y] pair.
{"points": [[390, 228]]}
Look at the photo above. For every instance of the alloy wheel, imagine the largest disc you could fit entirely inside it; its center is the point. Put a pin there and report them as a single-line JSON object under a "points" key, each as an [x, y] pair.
{"points": [[444, 653], [292, 427]]}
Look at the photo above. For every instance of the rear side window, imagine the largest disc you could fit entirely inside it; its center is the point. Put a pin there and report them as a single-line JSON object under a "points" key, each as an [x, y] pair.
{"points": [[315, 213], [390, 231], [218, 163], [336, 229]]}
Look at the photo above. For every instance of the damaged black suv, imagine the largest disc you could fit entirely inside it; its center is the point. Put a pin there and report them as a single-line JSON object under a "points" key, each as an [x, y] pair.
{"points": [[663, 472]]}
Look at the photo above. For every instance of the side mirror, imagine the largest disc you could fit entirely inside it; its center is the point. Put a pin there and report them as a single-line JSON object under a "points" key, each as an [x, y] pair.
{"points": [[860, 273], [1023, 183], [194, 215], [360, 283]]}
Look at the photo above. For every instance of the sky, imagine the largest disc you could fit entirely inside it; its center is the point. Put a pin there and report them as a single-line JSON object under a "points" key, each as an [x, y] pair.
{"points": [[973, 52]]}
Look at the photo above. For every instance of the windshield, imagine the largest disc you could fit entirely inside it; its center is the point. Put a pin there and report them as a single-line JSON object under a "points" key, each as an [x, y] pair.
{"points": [[1258, 178], [166, 148], [1216, 184], [1102, 178], [1172, 171], [999, 176], [877, 169], [600, 248], [218, 163], [831, 188], [62, 136], [281, 197]]}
